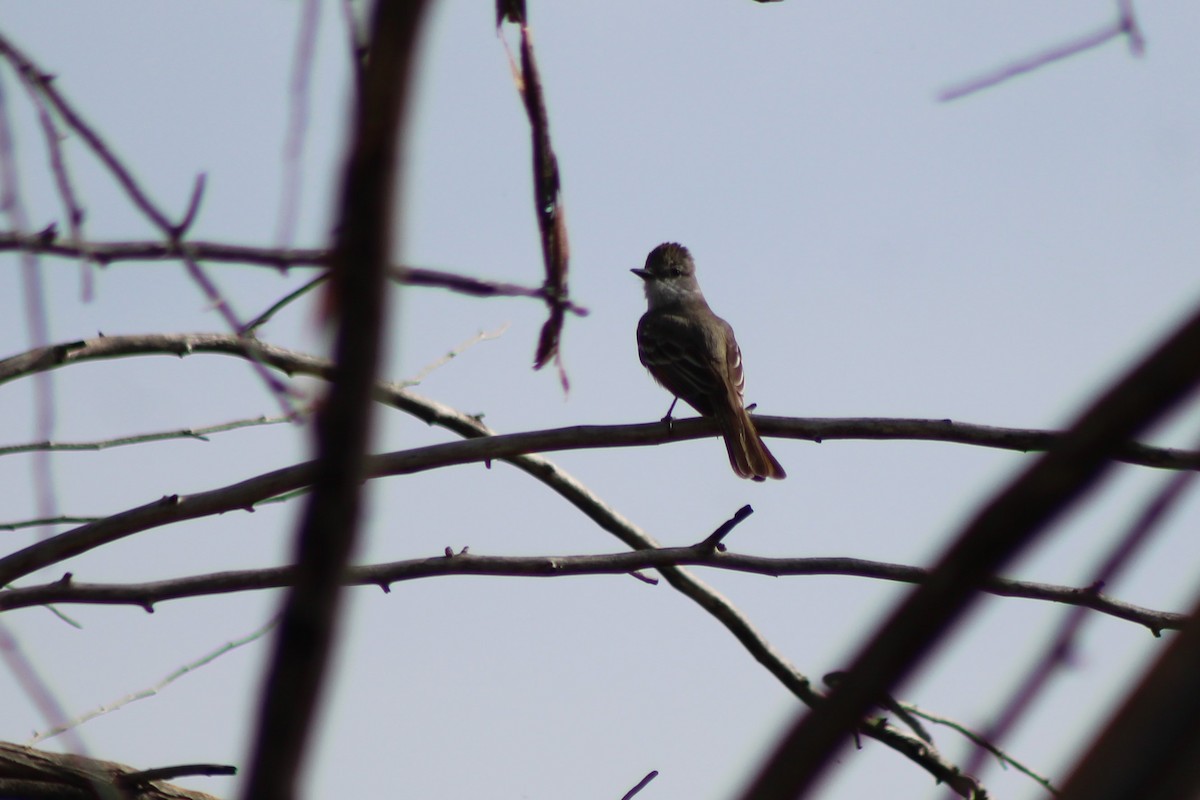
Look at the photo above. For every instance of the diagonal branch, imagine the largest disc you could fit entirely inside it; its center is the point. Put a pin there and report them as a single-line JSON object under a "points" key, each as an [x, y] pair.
{"points": [[45, 86], [1125, 25]]}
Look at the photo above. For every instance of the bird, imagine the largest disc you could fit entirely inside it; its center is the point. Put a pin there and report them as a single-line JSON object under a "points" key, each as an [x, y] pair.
{"points": [[694, 355]]}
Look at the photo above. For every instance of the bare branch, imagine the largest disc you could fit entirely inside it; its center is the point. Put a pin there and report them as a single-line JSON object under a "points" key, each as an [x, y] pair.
{"points": [[173, 232], [62, 179], [150, 691], [217, 252], [123, 176], [199, 434], [37, 523], [472, 286], [140, 251], [193, 208], [547, 190], [146, 776], [651, 775], [1126, 25], [715, 540], [455, 352], [979, 740], [33, 683], [146, 595], [262, 319]]}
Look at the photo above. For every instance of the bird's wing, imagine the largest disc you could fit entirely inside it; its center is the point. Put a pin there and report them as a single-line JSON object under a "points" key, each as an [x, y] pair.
{"points": [[691, 360]]}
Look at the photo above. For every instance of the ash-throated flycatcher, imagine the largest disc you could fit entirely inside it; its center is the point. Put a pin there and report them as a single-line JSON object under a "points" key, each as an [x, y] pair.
{"points": [[692, 352]]}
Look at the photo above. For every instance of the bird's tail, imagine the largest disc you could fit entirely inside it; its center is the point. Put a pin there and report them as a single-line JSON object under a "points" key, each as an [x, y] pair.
{"points": [[748, 456]]}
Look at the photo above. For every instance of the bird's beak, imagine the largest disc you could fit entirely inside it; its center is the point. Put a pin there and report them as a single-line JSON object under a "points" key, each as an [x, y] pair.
{"points": [[641, 273]]}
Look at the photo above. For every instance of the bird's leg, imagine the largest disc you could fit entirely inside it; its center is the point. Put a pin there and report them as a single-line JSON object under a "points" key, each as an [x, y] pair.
{"points": [[668, 418]]}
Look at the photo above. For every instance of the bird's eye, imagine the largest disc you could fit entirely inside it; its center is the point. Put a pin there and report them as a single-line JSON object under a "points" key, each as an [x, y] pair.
{"points": [[676, 272]]}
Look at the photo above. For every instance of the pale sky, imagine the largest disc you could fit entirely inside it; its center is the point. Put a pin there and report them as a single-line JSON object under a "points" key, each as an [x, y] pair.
{"points": [[993, 260]]}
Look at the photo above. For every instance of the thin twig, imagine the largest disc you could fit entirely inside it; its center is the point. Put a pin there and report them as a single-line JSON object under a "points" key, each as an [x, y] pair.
{"points": [[979, 740], [47, 521], [886, 703], [193, 207], [150, 691], [34, 687], [1126, 25], [715, 540], [289, 298], [217, 298], [297, 126], [453, 353], [651, 775], [123, 176], [200, 434], [62, 179]]}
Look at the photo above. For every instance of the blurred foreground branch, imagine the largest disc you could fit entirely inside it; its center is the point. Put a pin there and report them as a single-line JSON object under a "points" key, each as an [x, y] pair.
{"points": [[1002, 528], [356, 304], [1125, 25]]}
